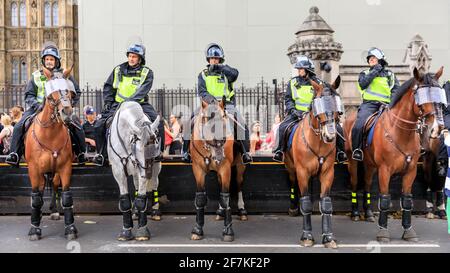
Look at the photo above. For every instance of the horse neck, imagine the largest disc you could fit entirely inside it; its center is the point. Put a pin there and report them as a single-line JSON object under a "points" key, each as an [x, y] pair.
{"points": [[310, 135], [403, 110]]}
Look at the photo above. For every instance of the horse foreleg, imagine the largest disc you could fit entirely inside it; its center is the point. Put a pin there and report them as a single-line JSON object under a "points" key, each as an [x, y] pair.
{"points": [[384, 203], [125, 205], [55, 198], [70, 231], [37, 201], [200, 202], [242, 212], [152, 192], [224, 176], [406, 204], [326, 207], [367, 199], [306, 207], [140, 203]]}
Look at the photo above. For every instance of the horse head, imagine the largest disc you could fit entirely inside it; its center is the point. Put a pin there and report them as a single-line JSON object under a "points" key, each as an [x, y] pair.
{"points": [[429, 98], [60, 92], [150, 138], [326, 108]]}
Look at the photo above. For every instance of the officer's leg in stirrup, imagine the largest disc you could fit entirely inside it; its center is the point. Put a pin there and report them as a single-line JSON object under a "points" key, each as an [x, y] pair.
{"points": [[187, 138], [100, 159], [442, 160], [281, 147], [357, 135], [340, 145], [17, 140], [78, 137]]}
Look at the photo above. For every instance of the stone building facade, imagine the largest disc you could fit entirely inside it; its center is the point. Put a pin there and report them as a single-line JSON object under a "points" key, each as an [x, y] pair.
{"points": [[25, 25]]}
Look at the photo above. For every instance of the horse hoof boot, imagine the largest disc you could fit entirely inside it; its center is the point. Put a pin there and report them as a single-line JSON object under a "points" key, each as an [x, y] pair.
{"points": [[35, 234], [55, 216], [294, 212], [142, 234], [196, 237], [220, 214], [328, 241], [410, 235], [442, 214], [125, 235], [242, 213], [430, 215], [307, 239], [368, 216], [331, 245], [228, 238], [383, 236], [156, 215], [71, 232]]}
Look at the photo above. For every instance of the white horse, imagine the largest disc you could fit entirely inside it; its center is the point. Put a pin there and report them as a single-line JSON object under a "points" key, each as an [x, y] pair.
{"points": [[132, 148]]}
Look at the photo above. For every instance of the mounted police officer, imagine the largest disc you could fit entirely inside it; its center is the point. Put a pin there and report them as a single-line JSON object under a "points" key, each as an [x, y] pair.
{"points": [[131, 80], [215, 82], [377, 86], [34, 98], [298, 97]]}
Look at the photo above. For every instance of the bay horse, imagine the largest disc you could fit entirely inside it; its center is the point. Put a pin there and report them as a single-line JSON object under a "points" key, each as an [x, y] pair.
{"points": [[213, 149], [435, 183], [132, 148], [313, 154], [48, 151], [395, 146]]}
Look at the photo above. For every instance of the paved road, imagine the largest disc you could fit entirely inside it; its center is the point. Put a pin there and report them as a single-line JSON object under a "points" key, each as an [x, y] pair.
{"points": [[261, 234]]}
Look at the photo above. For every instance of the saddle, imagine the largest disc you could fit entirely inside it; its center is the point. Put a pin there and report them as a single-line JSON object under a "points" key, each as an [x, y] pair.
{"points": [[369, 126], [290, 131]]}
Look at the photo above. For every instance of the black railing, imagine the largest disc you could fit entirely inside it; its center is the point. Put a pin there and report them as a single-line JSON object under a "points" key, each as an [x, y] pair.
{"points": [[260, 103]]}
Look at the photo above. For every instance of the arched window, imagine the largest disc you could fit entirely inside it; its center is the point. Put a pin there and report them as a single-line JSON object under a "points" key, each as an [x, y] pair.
{"points": [[15, 72], [55, 14], [14, 15], [23, 72], [23, 15], [47, 15]]}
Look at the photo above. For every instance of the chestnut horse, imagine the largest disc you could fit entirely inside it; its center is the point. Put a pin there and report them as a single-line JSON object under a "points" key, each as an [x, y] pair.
{"points": [[395, 148], [48, 151], [312, 155], [212, 149]]}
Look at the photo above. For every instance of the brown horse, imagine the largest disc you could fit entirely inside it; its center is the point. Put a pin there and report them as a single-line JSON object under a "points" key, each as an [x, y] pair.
{"points": [[395, 147], [434, 182], [48, 151], [212, 149], [312, 155]]}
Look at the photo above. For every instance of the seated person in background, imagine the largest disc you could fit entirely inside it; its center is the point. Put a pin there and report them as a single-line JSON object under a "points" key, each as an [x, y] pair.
{"points": [[6, 134], [271, 138], [16, 114], [90, 117], [255, 138]]}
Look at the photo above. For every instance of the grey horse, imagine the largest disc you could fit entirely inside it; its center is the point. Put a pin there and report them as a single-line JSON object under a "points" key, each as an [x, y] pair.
{"points": [[132, 148]]}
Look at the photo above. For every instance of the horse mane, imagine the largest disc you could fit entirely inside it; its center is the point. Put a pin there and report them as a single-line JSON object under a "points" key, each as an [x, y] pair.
{"points": [[428, 79]]}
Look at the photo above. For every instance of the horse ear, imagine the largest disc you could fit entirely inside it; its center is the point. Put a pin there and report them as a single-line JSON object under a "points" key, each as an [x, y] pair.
{"points": [[315, 85], [336, 83], [67, 72], [47, 73], [222, 103], [439, 73], [417, 75], [204, 104]]}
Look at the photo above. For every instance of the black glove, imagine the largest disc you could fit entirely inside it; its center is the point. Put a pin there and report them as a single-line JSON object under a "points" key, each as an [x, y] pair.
{"points": [[378, 67], [35, 105]]}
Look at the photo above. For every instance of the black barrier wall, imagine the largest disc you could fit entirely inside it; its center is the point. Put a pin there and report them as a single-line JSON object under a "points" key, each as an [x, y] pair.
{"points": [[266, 190]]}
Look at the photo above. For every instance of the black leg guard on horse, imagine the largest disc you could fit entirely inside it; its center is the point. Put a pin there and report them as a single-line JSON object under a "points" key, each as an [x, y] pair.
{"points": [[200, 203], [306, 208], [430, 201], [126, 208], [383, 205], [140, 202], [355, 207], [326, 208], [367, 205], [36, 205], [406, 203], [67, 205], [224, 202]]}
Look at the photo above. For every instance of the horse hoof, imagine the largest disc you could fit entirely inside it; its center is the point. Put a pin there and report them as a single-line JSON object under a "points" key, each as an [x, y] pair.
{"points": [[71, 236], [356, 218], [34, 237], [243, 218], [125, 235], [196, 237], [332, 244], [219, 218], [294, 212], [307, 243], [55, 216], [156, 218], [370, 219], [142, 234], [383, 236], [430, 215], [228, 238], [410, 235]]}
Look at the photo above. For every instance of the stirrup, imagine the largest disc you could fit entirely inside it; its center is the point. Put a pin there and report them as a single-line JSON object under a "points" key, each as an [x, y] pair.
{"points": [[341, 157], [247, 158], [355, 155], [10, 161], [278, 159], [98, 160]]}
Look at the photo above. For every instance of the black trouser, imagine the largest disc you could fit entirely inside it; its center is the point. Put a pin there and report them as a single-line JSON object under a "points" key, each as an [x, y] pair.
{"points": [[366, 109], [101, 127], [17, 140], [443, 156], [282, 130]]}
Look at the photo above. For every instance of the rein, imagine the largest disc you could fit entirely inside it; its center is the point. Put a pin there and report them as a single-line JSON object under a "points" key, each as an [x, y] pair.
{"points": [[320, 158]]}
